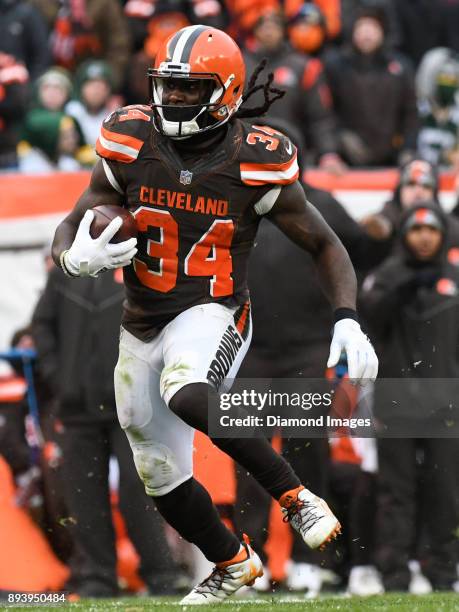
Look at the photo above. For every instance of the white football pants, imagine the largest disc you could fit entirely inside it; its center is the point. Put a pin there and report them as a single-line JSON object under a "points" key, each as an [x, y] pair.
{"points": [[204, 344]]}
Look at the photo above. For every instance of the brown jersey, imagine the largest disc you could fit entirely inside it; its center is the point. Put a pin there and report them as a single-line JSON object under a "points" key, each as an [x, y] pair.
{"points": [[197, 215]]}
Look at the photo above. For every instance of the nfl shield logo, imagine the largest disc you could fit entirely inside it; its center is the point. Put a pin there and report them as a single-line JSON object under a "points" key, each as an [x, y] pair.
{"points": [[185, 177]]}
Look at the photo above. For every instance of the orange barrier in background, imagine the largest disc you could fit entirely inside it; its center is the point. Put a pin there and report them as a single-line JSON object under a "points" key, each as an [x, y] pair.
{"points": [[27, 563], [33, 195], [367, 180]]}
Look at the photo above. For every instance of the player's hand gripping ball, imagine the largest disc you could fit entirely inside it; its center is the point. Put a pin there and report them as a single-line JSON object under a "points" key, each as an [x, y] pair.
{"points": [[105, 213], [106, 239]]}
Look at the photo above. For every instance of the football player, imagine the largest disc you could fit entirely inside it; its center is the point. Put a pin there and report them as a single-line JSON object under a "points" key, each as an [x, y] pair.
{"points": [[198, 179]]}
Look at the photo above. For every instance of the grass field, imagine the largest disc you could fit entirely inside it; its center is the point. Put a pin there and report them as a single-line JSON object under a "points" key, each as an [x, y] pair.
{"points": [[448, 602]]}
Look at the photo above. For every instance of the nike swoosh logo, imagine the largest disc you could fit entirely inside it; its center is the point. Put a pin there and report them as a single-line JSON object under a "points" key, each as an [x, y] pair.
{"points": [[288, 147]]}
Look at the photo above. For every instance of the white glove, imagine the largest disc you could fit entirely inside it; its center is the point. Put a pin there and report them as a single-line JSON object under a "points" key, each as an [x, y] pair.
{"points": [[361, 357], [88, 256]]}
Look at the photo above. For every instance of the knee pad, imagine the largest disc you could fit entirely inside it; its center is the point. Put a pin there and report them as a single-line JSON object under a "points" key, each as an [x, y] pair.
{"points": [[123, 394], [133, 402], [173, 379], [157, 468]]}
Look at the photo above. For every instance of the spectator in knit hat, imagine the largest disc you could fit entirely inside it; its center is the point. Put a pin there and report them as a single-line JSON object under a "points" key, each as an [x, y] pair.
{"points": [[418, 182], [53, 89], [307, 30], [93, 85]]}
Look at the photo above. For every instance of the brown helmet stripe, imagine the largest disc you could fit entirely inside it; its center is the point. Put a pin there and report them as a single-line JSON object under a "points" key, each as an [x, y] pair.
{"points": [[182, 43], [173, 44]]}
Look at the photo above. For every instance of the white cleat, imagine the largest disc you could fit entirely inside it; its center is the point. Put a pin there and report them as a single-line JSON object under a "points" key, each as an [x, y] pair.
{"points": [[308, 578], [364, 581], [227, 578], [419, 584], [311, 517], [263, 583], [304, 577]]}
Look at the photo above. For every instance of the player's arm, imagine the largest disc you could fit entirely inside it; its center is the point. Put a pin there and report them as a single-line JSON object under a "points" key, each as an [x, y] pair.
{"points": [[73, 248], [303, 224]]}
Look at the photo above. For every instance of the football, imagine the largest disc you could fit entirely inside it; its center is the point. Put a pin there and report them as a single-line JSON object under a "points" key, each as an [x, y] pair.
{"points": [[105, 213]]}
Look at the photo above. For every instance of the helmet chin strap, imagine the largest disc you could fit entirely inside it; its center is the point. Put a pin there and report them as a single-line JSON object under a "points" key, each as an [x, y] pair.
{"points": [[179, 129], [175, 129]]}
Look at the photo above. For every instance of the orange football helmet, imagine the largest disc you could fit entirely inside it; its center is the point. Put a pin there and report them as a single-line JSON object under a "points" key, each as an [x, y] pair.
{"points": [[197, 53]]}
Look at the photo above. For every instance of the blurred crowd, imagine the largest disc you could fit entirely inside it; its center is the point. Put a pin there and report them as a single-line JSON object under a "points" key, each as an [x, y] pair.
{"points": [[368, 82]]}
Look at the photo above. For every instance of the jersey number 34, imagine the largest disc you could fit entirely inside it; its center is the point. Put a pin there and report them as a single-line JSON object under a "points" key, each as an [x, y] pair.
{"points": [[209, 256]]}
